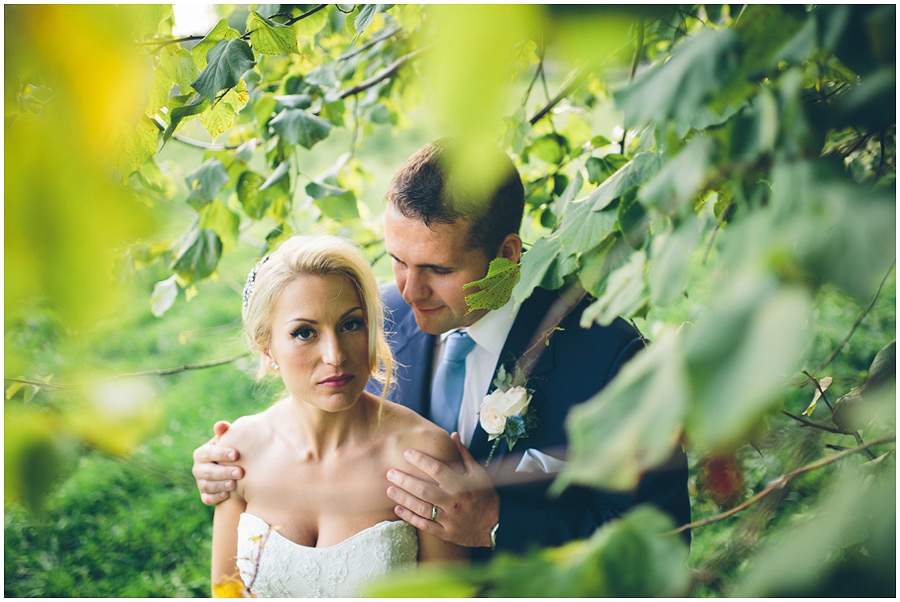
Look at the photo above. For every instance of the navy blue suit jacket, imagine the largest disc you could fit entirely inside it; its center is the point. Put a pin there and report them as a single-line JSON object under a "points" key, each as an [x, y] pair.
{"points": [[575, 365]]}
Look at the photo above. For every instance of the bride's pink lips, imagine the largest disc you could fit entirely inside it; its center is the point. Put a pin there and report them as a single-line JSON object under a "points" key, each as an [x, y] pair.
{"points": [[338, 380]]}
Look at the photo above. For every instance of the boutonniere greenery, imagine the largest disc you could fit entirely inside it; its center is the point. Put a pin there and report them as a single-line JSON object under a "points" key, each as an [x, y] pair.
{"points": [[506, 413]]}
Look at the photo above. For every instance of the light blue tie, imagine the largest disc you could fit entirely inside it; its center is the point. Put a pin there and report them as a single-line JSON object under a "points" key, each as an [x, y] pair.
{"points": [[447, 388]]}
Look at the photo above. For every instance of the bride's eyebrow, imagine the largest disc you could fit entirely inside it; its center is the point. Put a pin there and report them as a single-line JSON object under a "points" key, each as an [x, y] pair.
{"points": [[315, 322]]}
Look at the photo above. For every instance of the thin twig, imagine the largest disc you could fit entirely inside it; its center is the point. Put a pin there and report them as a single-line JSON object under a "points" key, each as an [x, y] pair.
{"points": [[779, 483], [815, 425], [382, 75], [385, 34], [821, 391], [573, 82], [856, 324], [46, 386], [712, 235]]}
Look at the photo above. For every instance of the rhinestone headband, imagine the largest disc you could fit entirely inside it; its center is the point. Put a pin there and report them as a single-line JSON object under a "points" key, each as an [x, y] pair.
{"points": [[251, 281]]}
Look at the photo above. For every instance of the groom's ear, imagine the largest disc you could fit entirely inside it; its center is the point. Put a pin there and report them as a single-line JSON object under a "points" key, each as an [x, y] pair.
{"points": [[511, 248]]}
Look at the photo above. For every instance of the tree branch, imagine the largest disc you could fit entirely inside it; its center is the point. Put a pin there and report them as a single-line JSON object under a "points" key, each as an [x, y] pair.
{"points": [[573, 82], [382, 75], [779, 483], [856, 324], [46, 386], [815, 425]]}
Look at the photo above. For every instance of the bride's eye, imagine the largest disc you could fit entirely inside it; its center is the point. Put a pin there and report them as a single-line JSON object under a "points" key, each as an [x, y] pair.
{"points": [[304, 334], [353, 325]]}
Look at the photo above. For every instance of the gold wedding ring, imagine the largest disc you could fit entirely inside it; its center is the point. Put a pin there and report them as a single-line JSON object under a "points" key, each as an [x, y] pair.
{"points": [[434, 510]]}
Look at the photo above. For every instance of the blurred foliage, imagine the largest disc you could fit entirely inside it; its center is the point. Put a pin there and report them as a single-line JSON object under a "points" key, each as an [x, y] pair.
{"points": [[722, 175]]}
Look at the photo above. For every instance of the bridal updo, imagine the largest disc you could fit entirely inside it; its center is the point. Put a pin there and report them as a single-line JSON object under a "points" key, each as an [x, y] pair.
{"points": [[317, 255]]}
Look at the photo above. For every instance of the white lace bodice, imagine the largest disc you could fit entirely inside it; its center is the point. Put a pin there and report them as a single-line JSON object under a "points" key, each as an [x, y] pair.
{"points": [[273, 566]]}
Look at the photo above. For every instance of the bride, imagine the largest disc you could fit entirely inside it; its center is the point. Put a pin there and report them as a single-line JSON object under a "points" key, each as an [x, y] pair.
{"points": [[310, 517]]}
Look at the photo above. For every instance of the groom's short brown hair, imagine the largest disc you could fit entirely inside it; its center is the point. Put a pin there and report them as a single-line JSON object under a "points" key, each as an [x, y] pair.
{"points": [[435, 186]]}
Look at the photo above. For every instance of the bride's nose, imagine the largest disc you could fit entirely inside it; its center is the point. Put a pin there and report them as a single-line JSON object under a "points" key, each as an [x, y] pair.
{"points": [[333, 352]]}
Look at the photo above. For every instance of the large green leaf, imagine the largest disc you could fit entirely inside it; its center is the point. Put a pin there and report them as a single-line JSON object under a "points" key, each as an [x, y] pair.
{"points": [[182, 107], [539, 268], [215, 216], [670, 262], [220, 32], [635, 173], [365, 16], [205, 182], [198, 256], [623, 294], [582, 228], [741, 355], [672, 189], [269, 37], [495, 288], [227, 62], [252, 200], [633, 424], [679, 87], [296, 126], [343, 207]]}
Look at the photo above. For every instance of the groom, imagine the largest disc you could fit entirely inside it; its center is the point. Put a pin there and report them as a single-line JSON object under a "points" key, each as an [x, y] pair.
{"points": [[441, 231]]}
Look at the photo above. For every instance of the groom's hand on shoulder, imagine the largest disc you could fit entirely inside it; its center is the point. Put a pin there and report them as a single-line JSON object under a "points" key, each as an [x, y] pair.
{"points": [[213, 480], [467, 504]]}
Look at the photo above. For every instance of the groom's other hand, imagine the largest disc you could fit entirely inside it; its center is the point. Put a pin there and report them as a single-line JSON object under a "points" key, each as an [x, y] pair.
{"points": [[468, 505], [215, 481]]}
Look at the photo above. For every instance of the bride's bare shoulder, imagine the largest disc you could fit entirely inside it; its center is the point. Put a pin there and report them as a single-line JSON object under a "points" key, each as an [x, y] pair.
{"points": [[251, 430], [411, 431]]}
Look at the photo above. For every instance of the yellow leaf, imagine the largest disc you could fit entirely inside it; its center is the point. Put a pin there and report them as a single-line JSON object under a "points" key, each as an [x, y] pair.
{"points": [[231, 587]]}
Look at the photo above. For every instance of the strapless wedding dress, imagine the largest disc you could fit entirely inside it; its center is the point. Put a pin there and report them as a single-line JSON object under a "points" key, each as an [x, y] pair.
{"points": [[273, 566]]}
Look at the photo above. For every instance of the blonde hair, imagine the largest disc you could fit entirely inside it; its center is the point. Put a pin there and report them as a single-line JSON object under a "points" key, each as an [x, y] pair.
{"points": [[316, 255]]}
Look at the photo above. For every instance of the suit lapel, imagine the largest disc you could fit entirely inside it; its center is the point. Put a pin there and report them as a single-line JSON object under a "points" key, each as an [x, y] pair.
{"points": [[520, 338]]}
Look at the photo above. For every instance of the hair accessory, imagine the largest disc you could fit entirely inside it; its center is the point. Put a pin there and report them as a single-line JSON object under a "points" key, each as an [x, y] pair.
{"points": [[251, 280]]}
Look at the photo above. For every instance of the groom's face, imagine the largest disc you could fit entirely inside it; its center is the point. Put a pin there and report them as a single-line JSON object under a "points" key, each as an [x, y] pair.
{"points": [[431, 265]]}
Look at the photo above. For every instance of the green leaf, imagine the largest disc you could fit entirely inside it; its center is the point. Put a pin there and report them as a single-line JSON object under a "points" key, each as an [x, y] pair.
{"points": [[740, 356], [551, 148], [226, 64], [670, 263], [582, 228], [597, 264], [572, 189], [249, 195], [633, 424], [223, 221], [539, 268], [198, 256], [622, 296], [496, 287], [296, 126], [342, 207], [205, 182], [632, 220], [366, 13], [195, 105], [319, 190], [164, 294], [635, 173], [269, 37], [218, 33], [678, 88], [673, 188]]}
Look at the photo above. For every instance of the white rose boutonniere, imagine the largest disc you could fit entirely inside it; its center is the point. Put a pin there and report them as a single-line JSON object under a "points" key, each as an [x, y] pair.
{"points": [[505, 414]]}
